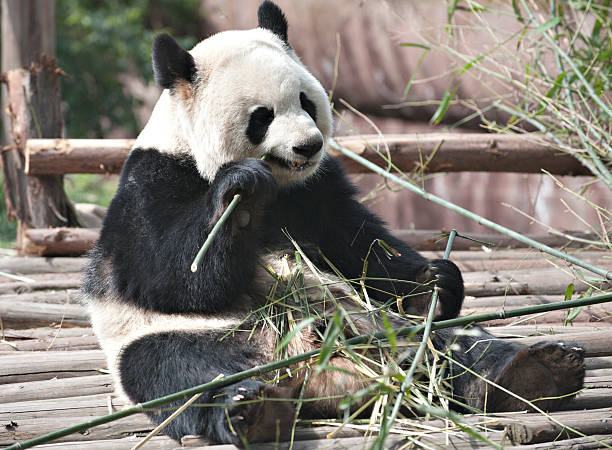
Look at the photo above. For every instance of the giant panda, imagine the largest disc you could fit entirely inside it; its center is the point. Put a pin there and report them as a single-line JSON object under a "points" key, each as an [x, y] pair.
{"points": [[235, 97]]}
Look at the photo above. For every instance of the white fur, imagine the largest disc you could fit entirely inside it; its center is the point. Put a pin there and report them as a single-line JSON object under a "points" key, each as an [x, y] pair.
{"points": [[237, 72]]}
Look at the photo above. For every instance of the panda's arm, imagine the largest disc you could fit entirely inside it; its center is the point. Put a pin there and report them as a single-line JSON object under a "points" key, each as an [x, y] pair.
{"points": [[162, 214], [353, 234]]}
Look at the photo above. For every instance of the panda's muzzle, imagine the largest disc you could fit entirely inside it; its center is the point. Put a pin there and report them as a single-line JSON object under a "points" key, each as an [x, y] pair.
{"points": [[306, 150], [291, 165]]}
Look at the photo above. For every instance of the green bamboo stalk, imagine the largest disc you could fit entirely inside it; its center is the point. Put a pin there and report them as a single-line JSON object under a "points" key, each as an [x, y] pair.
{"points": [[196, 262], [265, 368], [469, 214], [211, 236], [387, 422]]}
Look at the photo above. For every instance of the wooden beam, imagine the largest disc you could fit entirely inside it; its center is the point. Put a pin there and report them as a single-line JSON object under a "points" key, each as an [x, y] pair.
{"points": [[448, 152], [77, 241]]}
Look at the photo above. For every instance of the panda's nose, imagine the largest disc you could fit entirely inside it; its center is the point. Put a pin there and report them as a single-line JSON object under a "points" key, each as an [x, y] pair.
{"points": [[309, 148]]}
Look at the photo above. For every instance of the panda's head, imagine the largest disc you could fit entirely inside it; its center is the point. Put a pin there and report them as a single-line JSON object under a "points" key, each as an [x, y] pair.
{"points": [[241, 94]]}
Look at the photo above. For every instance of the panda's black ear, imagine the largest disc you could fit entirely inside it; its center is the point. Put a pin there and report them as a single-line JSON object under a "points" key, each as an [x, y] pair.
{"points": [[272, 18], [171, 62]]}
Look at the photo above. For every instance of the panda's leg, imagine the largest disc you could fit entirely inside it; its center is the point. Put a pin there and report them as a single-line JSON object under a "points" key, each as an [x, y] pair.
{"points": [[551, 371], [163, 363]]}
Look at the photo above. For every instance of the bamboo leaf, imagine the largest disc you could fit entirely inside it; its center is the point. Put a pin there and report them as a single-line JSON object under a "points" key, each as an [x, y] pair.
{"points": [[414, 44], [444, 104], [471, 64], [517, 12], [548, 24], [569, 291], [289, 336]]}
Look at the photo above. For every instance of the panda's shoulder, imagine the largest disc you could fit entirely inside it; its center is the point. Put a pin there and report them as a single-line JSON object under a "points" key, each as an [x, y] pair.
{"points": [[146, 166]]}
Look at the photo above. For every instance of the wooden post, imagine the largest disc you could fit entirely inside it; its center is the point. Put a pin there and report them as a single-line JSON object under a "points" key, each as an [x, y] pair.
{"points": [[31, 108]]}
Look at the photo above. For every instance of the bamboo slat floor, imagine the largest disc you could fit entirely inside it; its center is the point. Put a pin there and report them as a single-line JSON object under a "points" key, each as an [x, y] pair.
{"points": [[52, 372]]}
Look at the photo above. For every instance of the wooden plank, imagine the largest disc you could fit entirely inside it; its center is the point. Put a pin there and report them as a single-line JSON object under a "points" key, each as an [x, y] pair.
{"points": [[521, 254], [550, 331], [583, 443], [524, 282], [47, 333], [58, 283], [78, 241], [60, 241], [56, 388], [20, 430], [89, 405], [448, 152], [34, 366], [126, 443], [595, 343], [57, 344], [23, 314], [30, 265], [65, 296], [540, 429]]}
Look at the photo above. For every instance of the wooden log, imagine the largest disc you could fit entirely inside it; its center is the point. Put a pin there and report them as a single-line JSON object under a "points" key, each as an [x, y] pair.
{"points": [[23, 314], [582, 443], [601, 362], [597, 382], [588, 314], [58, 283], [591, 398], [596, 343], [46, 333], [509, 301], [62, 297], [31, 265], [78, 241], [35, 366], [61, 156], [550, 331], [540, 429], [521, 254], [20, 430], [448, 152], [595, 373], [125, 443], [56, 388], [60, 241], [88, 405], [433, 240], [57, 344], [524, 282]]}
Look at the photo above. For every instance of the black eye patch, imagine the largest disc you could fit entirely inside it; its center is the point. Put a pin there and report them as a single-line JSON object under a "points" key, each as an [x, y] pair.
{"points": [[259, 121], [308, 106]]}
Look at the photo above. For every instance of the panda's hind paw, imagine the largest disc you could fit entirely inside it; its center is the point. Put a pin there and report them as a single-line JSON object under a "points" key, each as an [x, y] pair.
{"points": [[261, 413]]}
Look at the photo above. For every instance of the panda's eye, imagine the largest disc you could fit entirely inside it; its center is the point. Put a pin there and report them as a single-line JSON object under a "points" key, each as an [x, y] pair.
{"points": [[308, 106], [259, 121]]}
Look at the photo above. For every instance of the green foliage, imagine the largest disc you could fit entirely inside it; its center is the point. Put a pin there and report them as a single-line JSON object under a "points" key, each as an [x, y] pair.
{"points": [[98, 41], [88, 188]]}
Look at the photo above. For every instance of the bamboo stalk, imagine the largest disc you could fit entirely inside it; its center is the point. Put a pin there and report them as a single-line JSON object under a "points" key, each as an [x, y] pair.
{"points": [[194, 266], [469, 214], [265, 368], [386, 424]]}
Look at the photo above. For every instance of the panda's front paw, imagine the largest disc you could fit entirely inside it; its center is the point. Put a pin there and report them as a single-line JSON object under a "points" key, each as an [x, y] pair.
{"points": [[261, 413], [445, 275], [253, 180]]}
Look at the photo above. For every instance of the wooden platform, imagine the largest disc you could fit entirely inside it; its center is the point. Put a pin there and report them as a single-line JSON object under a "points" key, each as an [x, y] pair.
{"points": [[52, 372]]}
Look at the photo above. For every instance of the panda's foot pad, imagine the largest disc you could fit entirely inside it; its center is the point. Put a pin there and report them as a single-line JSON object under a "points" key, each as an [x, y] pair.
{"points": [[264, 414], [547, 373]]}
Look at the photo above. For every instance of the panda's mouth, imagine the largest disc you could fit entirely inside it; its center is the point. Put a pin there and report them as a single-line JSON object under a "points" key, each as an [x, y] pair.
{"points": [[286, 164]]}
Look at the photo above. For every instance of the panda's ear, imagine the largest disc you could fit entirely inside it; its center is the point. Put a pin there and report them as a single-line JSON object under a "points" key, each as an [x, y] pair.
{"points": [[272, 18], [171, 62]]}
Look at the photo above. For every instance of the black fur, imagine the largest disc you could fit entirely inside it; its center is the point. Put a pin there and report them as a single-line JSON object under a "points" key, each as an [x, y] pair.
{"points": [[175, 361], [163, 211], [549, 373], [308, 106], [272, 18], [259, 121], [171, 62]]}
